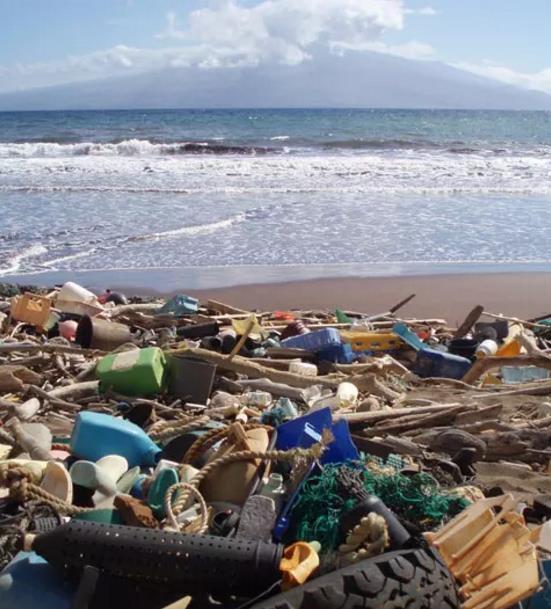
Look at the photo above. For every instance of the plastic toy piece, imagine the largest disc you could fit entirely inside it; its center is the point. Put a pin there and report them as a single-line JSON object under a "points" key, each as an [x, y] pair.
{"points": [[299, 561], [492, 555], [31, 309]]}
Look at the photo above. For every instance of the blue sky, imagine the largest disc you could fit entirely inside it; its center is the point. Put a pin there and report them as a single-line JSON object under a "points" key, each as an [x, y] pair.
{"points": [[46, 42]]}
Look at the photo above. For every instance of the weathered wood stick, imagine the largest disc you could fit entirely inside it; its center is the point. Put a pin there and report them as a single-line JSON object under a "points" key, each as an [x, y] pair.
{"points": [[47, 348], [222, 307], [516, 320], [428, 420], [361, 418], [237, 347], [75, 390], [51, 398], [469, 321]]}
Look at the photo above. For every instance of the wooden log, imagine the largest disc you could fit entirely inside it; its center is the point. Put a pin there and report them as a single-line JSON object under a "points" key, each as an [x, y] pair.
{"points": [[428, 420], [244, 365], [363, 418], [75, 390], [369, 383], [28, 347], [52, 398]]}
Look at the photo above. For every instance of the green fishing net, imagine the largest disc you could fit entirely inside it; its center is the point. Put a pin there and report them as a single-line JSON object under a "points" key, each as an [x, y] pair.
{"points": [[326, 496]]}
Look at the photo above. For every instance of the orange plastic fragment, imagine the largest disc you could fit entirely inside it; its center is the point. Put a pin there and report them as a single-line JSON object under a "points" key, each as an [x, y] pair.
{"points": [[299, 561]]}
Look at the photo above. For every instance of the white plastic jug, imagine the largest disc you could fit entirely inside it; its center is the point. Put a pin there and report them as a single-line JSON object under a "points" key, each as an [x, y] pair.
{"points": [[76, 293]]}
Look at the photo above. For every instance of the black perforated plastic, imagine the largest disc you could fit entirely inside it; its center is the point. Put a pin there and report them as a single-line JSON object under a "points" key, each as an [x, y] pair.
{"points": [[190, 562]]}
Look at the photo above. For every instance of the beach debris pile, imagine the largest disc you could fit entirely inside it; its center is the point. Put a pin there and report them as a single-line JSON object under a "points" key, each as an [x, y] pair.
{"points": [[158, 452]]}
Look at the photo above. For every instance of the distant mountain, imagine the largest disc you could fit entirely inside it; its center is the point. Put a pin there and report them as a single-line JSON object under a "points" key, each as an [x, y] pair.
{"points": [[357, 79]]}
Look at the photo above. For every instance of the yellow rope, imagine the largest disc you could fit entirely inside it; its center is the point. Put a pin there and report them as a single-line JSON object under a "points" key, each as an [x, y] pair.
{"points": [[18, 480], [175, 429]]}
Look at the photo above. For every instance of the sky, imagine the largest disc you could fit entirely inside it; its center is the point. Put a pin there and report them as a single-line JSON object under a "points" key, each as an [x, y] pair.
{"points": [[49, 42]]}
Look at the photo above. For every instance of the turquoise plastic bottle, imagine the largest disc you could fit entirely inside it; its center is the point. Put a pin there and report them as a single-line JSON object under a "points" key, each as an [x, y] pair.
{"points": [[97, 435]]}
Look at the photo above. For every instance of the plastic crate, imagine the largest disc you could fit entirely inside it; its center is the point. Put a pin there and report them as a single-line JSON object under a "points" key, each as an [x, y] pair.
{"points": [[31, 309], [338, 354], [372, 341], [314, 341]]}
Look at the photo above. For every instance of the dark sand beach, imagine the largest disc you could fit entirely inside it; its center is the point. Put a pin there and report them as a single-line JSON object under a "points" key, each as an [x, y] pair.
{"points": [[449, 296]]}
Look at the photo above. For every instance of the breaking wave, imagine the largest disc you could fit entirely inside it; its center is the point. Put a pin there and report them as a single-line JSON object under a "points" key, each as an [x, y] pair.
{"points": [[132, 147]]}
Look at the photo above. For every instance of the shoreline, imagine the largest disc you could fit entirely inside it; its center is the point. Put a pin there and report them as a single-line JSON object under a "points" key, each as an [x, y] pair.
{"points": [[443, 295]]}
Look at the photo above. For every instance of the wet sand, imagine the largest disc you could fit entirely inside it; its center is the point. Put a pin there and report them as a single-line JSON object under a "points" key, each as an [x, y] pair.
{"points": [[523, 295]]}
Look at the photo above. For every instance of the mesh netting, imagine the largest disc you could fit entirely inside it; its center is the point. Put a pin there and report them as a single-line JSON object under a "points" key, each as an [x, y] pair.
{"points": [[327, 496]]}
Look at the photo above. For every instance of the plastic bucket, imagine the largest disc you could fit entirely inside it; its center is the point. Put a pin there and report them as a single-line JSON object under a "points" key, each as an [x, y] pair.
{"points": [[464, 347], [94, 333], [190, 379]]}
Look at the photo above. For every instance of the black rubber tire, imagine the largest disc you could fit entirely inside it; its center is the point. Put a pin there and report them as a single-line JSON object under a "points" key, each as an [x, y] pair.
{"points": [[412, 579]]}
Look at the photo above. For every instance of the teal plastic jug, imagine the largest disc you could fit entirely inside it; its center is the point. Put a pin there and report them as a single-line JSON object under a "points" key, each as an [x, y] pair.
{"points": [[97, 435]]}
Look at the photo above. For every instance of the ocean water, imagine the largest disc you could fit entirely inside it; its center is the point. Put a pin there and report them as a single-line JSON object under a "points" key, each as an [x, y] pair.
{"points": [[232, 195]]}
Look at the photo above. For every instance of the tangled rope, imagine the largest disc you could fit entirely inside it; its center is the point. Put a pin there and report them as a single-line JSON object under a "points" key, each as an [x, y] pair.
{"points": [[212, 437], [368, 538], [313, 453], [22, 489], [171, 429], [200, 500]]}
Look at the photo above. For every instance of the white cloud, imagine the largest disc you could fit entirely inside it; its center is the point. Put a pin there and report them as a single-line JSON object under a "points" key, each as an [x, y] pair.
{"points": [[408, 50], [283, 31], [539, 81], [228, 34], [427, 11]]}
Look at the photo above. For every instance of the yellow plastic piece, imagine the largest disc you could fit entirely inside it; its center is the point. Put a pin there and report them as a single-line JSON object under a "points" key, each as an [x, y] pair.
{"points": [[372, 341], [492, 555], [299, 561], [510, 349], [242, 325], [31, 309]]}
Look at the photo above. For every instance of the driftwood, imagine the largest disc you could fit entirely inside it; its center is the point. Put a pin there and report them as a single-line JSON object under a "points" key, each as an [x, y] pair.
{"points": [[482, 366], [243, 365], [417, 422], [363, 418], [28, 347], [222, 307], [75, 390], [469, 322]]}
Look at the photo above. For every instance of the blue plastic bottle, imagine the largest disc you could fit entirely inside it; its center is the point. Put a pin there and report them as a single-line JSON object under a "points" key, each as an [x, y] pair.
{"points": [[97, 435]]}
